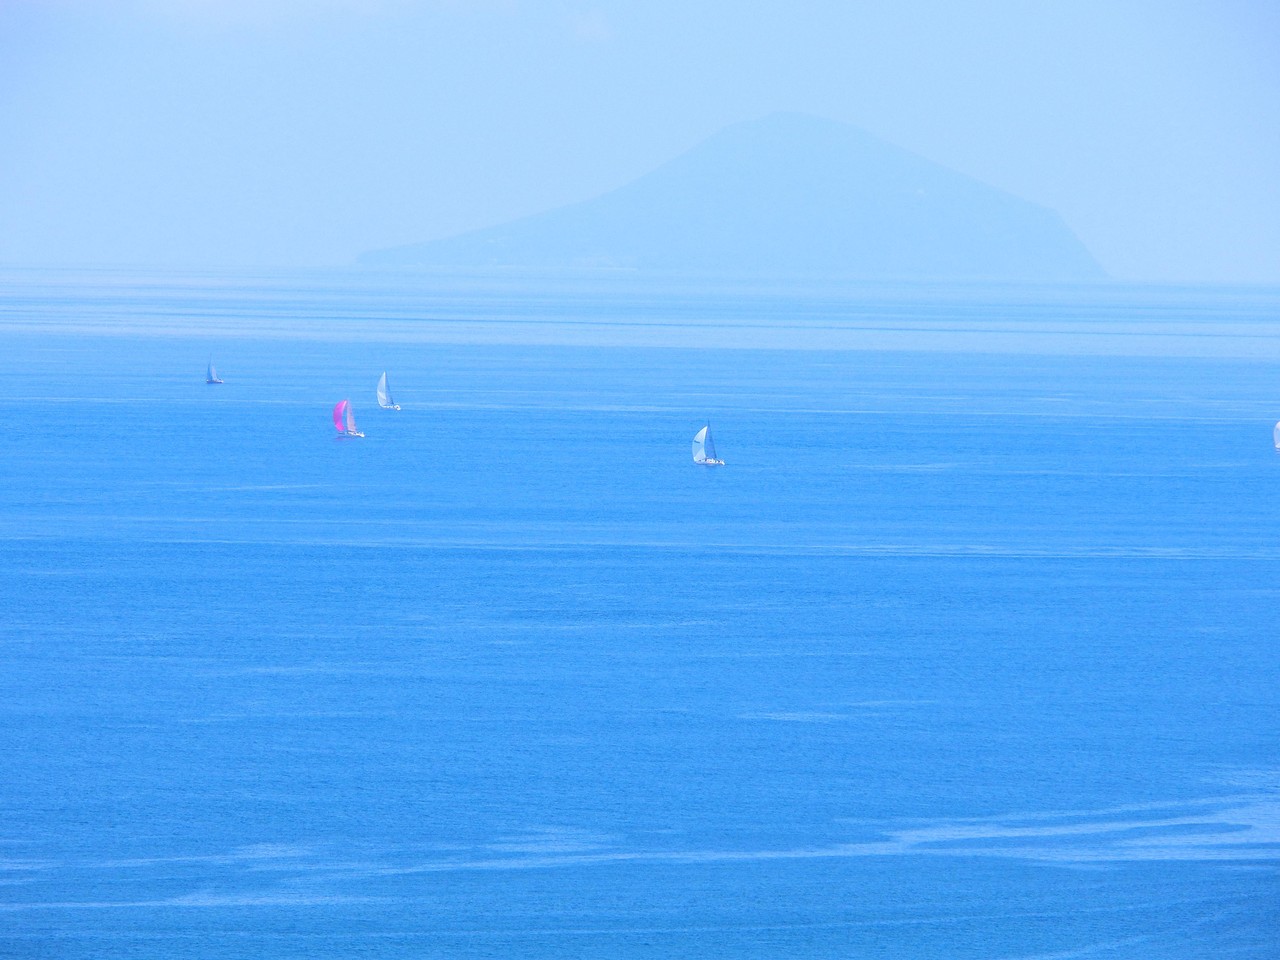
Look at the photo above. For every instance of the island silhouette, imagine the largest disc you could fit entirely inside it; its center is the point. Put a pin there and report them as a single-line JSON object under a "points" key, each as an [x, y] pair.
{"points": [[787, 195]]}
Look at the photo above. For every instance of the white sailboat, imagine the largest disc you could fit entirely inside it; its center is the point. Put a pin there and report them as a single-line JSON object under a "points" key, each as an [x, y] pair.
{"points": [[211, 375], [704, 448], [344, 420], [384, 394], [1275, 437]]}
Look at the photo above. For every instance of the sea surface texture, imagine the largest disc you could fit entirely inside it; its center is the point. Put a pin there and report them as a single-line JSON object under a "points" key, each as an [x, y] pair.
{"points": [[969, 651]]}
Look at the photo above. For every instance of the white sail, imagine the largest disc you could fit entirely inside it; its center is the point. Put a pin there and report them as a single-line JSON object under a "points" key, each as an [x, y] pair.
{"points": [[351, 421], [1275, 436], [704, 448], [384, 394], [211, 375], [701, 444]]}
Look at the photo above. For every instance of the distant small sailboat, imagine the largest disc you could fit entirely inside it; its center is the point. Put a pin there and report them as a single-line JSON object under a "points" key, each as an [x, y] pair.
{"points": [[211, 375], [344, 420], [1275, 437], [704, 448], [384, 394]]}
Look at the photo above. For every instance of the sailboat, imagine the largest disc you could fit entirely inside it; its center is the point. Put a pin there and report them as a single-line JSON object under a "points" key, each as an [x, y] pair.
{"points": [[344, 420], [1275, 437], [704, 448], [384, 394], [211, 375]]}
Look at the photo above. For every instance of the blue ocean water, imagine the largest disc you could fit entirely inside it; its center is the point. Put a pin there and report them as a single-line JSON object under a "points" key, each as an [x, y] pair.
{"points": [[968, 652]]}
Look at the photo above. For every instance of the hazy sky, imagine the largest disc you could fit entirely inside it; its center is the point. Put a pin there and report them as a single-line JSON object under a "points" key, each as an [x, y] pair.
{"points": [[284, 132]]}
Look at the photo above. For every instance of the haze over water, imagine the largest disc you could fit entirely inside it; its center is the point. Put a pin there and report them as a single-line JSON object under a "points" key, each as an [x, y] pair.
{"points": [[966, 652]]}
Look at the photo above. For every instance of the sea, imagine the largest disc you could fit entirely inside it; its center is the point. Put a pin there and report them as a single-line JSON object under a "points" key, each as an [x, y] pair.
{"points": [[969, 650]]}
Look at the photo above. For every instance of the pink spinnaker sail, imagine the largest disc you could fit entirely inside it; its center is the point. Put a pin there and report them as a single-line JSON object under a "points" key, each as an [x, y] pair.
{"points": [[340, 415]]}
